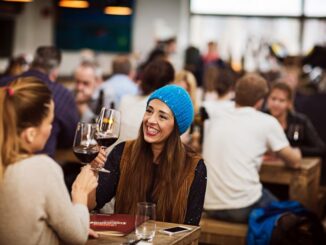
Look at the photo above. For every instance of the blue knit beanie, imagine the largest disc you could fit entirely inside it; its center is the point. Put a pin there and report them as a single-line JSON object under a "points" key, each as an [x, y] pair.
{"points": [[179, 102]]}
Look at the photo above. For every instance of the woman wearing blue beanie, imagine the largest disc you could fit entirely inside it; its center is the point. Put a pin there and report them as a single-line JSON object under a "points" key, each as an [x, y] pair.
{"points": [[157, 167]]}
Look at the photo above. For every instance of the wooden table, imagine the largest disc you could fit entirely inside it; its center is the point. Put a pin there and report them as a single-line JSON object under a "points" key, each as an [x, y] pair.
{"points": [[190, 237], [303, 182]]}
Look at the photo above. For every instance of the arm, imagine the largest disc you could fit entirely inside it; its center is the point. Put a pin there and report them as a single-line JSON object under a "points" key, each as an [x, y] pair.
{"points": [[312, 143], [196, 195], [70, 221], [98, 162], [278, 143], [108, 183], [291, 156], [67, 116]]}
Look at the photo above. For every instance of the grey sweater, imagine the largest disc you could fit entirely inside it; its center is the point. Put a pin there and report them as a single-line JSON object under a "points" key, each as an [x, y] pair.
{"points": [[35, 206]]}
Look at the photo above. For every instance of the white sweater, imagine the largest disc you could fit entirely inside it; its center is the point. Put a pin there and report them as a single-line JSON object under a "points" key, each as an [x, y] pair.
{"points": [[35, 206]]}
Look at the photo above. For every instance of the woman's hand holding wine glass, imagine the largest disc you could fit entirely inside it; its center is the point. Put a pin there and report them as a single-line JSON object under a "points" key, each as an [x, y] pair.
{"points": [[85, 146], [108, 128], [85, 182]]}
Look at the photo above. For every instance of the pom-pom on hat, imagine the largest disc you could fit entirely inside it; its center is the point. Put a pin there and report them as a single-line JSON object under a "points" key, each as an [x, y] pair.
{"points": [[179, 102]]}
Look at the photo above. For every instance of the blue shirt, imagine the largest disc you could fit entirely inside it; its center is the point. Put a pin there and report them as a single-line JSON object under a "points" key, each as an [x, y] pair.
{"points": [[65, 113], [117, 86]]}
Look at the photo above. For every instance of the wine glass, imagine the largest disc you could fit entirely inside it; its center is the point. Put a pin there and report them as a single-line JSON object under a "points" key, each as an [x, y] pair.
{"points": [[294, 134], [85, 146], [108, 127]]}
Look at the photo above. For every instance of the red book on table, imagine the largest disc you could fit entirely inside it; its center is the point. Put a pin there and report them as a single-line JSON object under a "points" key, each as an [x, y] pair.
{"points": [[113, 224]]}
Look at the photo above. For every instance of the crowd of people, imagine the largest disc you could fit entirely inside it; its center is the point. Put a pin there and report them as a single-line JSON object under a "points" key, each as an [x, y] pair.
{"points": [[242, 116]]}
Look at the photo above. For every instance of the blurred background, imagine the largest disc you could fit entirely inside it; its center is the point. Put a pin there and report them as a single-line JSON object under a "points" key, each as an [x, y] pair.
{"points": [[245, 31]]}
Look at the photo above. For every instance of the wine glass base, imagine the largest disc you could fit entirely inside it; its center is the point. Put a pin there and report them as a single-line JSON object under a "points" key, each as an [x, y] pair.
{"points": [[103, 170]]}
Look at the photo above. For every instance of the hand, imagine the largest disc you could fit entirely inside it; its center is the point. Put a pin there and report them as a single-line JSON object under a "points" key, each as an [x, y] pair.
{"points": [[100, 160], [92, 233], [85, 182]]}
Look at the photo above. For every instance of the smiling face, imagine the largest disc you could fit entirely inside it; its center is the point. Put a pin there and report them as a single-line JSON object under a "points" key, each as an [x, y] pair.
{"points": [[158, 123], [278, 102]]}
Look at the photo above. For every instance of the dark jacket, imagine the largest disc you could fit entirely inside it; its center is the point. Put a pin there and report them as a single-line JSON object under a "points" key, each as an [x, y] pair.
{"points": [[308, 139]]}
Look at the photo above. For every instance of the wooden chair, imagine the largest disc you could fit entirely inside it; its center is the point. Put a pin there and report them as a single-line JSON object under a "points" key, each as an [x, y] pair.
{"points": [[221, 232]]}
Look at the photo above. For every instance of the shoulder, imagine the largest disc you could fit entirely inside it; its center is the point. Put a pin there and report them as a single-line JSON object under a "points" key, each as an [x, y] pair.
{"points": [[265, 117], [118, 149], [5, 80], [43, 161], [299, 117], [38, 165], [59, 89], [196, 159], [201, 168]]}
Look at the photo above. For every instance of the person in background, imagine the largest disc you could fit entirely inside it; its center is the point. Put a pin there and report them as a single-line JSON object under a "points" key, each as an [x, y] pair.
{"points": [[16, 66], [132, 107], [89, 98], [121, 82], [297, 127], [238, 140], [224, 88], [45, 67], [187, 80], [154, 55], [313, 106], [212, 54], [35, 207], [175, 176], [193, 62], [211, 110], [209, 83]]}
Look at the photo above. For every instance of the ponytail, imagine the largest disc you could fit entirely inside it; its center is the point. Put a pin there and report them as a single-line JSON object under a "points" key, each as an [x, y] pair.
{"points": [[24, 103]]}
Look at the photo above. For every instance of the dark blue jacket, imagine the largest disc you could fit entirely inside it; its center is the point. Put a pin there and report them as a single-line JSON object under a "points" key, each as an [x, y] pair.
{"points": [[262, 220]]}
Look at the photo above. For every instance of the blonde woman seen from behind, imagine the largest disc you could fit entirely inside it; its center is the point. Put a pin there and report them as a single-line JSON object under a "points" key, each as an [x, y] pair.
{"points": [[35, 206], [187, 80]]}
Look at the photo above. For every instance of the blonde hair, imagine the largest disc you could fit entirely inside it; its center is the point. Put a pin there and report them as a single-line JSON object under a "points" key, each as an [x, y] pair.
{"points": [[24, 103], [190, 80]]}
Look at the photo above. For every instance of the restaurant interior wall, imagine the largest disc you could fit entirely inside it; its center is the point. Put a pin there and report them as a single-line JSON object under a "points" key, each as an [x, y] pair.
{"points": [[34, 29]]}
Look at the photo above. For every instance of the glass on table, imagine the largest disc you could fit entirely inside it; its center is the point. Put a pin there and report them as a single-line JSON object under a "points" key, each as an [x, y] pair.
{"points": [[145, 221]]}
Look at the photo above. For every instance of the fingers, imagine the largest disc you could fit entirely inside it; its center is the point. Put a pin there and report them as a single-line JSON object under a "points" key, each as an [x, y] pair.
{"points": [[100, 160], [92, 233], [86, 181]]}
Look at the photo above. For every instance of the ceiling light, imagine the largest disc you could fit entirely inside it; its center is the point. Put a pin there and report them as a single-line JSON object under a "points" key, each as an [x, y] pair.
{"points": [[73, 4], [19, 1], [115, 10]]}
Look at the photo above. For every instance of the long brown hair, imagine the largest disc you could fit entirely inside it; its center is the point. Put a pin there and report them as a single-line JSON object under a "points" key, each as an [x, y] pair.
{"points": [[24, 103], [172, 170]]}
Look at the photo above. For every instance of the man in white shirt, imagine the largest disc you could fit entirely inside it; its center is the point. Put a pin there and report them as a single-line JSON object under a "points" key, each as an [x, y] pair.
{"points": [[238, 140]]}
